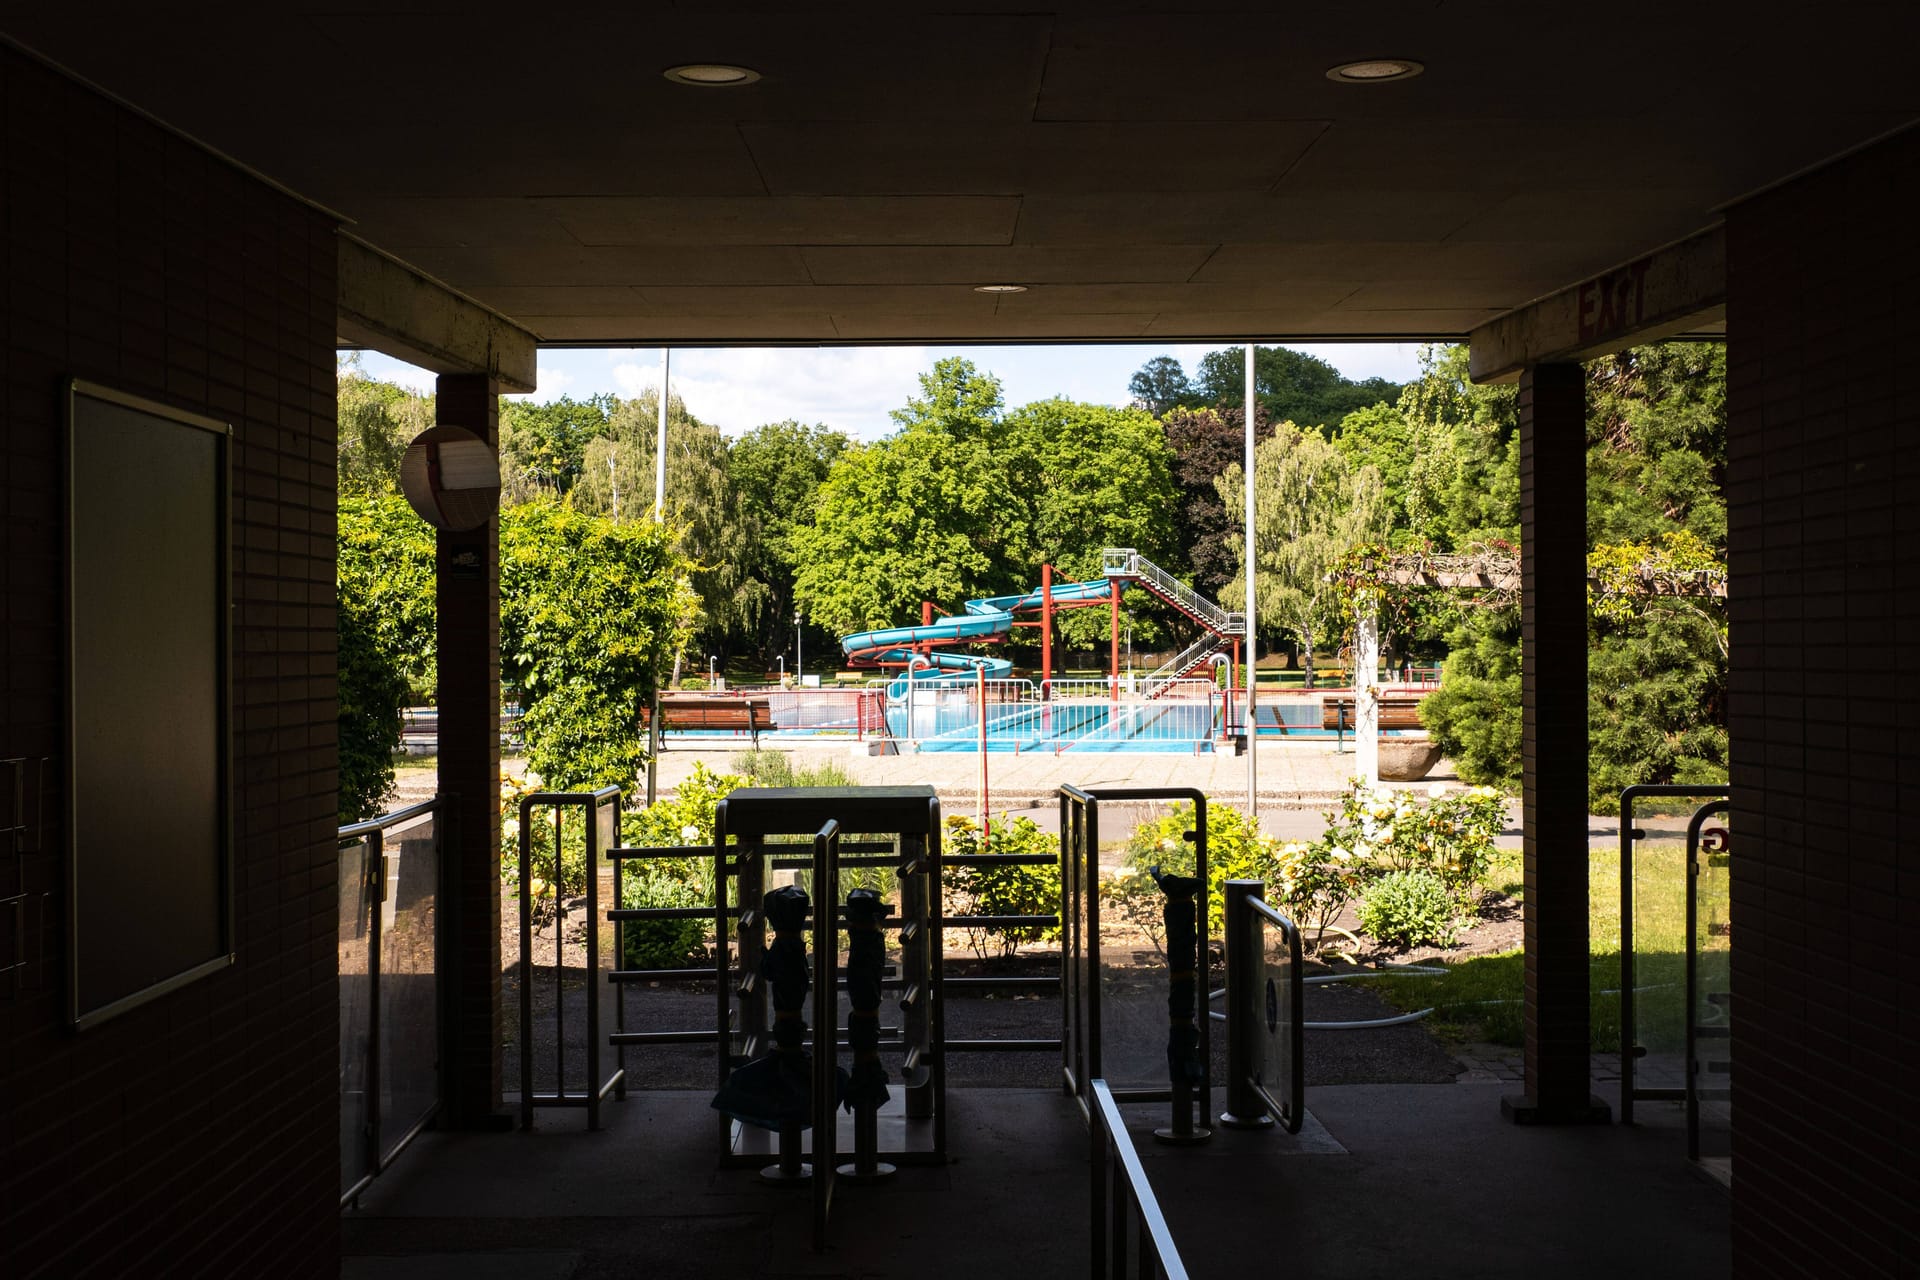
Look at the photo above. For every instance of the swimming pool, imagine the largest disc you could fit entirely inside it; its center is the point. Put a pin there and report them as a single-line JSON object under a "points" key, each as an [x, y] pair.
{"points": [[1079, 720]]}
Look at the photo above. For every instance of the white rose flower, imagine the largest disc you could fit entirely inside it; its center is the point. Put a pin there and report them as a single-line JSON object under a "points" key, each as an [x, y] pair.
{"points": [[690, 833]]}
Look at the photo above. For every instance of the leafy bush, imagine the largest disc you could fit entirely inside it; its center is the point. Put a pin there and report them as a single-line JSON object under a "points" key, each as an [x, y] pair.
{"points": [[1449, 835], [827, 773], [662, 944], [764, 768], [1003, 890], [693, 684], [1133, 897], [372, 693], [1476, 722], [384, 579], [1235, 851], [1410, 909], [590, 612], [1312, 886], [569, 879]]}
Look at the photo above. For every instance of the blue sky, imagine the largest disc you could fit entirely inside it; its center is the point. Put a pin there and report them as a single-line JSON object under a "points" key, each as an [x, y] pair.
{"points": [[852, 388]]}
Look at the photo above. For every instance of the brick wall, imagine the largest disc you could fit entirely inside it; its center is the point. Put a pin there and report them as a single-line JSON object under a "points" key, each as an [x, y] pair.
{"points": [[198, 1133], [1823, 458], [1553, 647]]}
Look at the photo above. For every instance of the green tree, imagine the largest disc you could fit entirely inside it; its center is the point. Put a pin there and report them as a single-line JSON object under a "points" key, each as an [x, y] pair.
{"points": [[924, 514], [543, 446], [1291, 385], [1203, 444], [1311, 506], [383, 563], [385, 571], [1462, 485], [1656, 423], [967, 500], [373, 694], [375, 423], [777, 470], [910, 518], [592, 613], [1160, 385], [716, 534], [1098, 477]]}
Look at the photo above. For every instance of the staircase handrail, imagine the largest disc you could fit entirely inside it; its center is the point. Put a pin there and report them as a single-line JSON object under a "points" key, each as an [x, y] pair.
{"points": [[1194, 654], [1125, 562]]}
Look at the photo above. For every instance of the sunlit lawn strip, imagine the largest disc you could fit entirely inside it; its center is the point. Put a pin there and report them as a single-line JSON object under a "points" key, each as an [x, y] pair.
{"points": [[1480, 999]]}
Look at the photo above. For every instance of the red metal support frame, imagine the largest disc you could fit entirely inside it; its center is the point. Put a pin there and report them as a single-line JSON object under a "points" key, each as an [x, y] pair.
{"points": [[1114, 644], [1046, 631]]}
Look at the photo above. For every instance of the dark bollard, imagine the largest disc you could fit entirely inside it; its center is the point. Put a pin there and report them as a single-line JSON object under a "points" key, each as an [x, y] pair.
{"points": [[867, 1088], [1183, 1032], [775, 1092], [1245, 1107]]}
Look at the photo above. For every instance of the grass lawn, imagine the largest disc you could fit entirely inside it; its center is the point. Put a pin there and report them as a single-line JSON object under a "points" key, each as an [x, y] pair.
{"points": [[1480, 999]]}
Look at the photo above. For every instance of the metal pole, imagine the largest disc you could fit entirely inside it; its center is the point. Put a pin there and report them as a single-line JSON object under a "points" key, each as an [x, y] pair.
{"points": [[660, 444], [1253, 729], [980, 681], [799, 659]]}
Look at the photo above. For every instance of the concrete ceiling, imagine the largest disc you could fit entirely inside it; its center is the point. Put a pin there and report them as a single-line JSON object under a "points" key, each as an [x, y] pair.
{"points": [[1151, 171]]}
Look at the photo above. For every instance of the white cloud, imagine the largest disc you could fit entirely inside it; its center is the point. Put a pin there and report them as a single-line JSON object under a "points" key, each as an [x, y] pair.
{"points": [[847, 388]]}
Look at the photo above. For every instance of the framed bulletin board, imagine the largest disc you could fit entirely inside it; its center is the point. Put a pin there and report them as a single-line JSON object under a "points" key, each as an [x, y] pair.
{"points": [[148, 624]]}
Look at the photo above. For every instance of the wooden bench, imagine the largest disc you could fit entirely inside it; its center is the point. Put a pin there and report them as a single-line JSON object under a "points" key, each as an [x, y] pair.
{"points": [[720, 712], [1395, 713]]}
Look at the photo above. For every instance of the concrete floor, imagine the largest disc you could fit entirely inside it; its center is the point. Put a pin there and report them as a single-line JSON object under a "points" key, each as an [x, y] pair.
{"points": [[1388, 1180]]}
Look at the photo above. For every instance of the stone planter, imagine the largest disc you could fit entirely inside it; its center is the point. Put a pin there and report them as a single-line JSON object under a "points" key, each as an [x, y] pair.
{"points": [[1407, 759]]}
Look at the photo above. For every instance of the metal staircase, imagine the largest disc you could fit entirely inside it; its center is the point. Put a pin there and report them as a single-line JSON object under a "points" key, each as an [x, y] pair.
{"points": [[1196, 655], [1128, 564]]}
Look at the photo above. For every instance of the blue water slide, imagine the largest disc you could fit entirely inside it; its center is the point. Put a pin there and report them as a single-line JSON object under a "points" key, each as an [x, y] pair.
{"points": [[985, 621]]}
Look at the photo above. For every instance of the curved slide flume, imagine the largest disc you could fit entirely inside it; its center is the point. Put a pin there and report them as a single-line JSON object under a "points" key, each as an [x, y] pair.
{"points": [[985, 621]]}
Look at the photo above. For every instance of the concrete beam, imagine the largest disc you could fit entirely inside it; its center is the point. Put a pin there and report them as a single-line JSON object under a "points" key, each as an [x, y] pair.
{"points": [[1678, 289], [397, 310]]}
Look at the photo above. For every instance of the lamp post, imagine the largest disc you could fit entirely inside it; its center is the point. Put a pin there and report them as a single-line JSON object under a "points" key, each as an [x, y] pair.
{"points": [[783, 668], [1253, 726], [710, 661], [799, 663]]}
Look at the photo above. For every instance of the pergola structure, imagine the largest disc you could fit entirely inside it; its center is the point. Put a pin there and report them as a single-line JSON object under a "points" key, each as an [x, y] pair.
{"points": [[202, 203]]}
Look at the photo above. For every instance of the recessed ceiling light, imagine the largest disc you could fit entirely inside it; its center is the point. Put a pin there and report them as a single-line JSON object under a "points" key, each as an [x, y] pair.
{"points": [[999, 288], [1375, 70], [711, 74]]}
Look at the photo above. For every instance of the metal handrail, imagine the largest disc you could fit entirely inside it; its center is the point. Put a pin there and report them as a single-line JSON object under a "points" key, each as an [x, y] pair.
{"points": [[374, 884], [1125, 562], [1629, 834], [602, 882], [388, 821], [1170, 673], [1114, 1166]]}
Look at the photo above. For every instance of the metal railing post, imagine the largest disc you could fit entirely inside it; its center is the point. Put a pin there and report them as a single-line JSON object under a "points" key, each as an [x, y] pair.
{"points": [[1245, 1108], [1185, 948]]}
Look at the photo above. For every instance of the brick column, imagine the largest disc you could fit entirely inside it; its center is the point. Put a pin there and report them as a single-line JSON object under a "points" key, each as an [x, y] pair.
{"points": [[467, 596], [1553, 658]]}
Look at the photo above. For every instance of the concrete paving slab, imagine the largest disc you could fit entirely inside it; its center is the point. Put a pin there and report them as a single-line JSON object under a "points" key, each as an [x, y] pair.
{"points": [[1438, 1185]]}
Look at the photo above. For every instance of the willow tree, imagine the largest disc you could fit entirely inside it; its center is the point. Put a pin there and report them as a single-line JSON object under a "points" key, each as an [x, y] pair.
{"points": [[1312, 505]]}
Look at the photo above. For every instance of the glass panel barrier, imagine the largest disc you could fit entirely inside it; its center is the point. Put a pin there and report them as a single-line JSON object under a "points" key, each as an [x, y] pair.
{"points": [[409, 983], [356, 1014], [1278, 1068]]}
